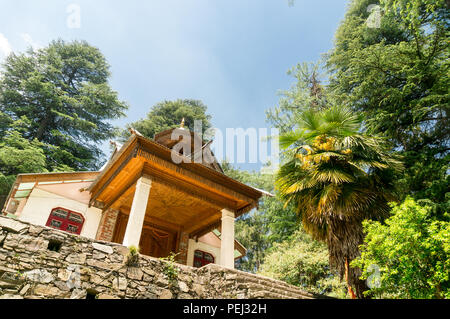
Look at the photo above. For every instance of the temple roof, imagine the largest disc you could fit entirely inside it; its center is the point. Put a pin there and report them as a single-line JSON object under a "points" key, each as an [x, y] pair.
{"points": [[188, 194], [197, 144]]}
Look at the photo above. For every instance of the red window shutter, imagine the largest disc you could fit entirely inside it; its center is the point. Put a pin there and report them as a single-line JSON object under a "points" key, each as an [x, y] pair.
{"points": [[202, 258], [66, 220]]}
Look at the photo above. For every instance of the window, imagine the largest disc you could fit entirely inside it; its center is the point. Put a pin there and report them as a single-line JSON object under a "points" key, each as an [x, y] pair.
{"points": [[66, 220], [202, 258]]}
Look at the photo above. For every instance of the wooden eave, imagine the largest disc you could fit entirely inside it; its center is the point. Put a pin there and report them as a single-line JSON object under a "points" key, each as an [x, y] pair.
{"points": [[57, 176], [194, 175], [112, 165]]}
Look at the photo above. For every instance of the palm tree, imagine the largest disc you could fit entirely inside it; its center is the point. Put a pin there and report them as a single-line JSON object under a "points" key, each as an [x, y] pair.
{"points": [[336, 176]]}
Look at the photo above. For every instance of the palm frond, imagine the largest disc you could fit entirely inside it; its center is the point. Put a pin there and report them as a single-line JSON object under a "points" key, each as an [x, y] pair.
{"points": [[332, 175], [289, 138]]}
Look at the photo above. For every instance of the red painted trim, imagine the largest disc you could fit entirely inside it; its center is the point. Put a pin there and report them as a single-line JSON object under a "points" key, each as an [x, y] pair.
{"points": [[64, 221]]}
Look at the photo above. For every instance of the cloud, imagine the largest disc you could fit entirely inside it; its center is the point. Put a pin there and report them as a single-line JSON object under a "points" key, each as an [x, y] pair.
{"points": [[5, 47], [29, 40]]}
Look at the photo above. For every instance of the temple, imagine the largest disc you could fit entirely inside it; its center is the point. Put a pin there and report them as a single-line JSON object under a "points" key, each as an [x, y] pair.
{"points": [[146, 195]]}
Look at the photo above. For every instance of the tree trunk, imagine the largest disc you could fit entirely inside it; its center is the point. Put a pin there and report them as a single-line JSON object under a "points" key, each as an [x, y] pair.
{"points": [[349, 287], [42, 128]]}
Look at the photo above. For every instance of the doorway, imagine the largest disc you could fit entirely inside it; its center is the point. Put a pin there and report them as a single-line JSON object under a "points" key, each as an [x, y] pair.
{"points": [[156, 241]]}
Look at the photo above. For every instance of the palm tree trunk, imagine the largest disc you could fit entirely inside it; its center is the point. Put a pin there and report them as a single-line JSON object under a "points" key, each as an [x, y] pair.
{"points": [[349, 287]]}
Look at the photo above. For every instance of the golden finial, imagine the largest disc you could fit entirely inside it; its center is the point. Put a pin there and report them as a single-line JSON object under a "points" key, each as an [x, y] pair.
{"points": [[182, 123]]}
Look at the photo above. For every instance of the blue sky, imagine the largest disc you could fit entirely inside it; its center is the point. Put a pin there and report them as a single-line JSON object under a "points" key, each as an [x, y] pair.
{"points": [[233, 55]]}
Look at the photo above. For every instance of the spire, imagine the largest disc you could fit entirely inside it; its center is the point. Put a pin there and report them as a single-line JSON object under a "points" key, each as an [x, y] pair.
{"points": [[182, 123]]}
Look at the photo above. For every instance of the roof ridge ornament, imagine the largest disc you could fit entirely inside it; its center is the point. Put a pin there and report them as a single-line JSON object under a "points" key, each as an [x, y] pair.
{"points": [[134, 131], [117, 146], [182, 123]]}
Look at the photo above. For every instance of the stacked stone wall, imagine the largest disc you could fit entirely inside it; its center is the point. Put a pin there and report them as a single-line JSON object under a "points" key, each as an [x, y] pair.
{"points": [[40, 262]]}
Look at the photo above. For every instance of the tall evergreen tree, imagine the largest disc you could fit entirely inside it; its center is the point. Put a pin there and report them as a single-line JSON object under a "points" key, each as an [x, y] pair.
{"points": [[63, 91], [391, 62], [306, 93], [169, 114]]}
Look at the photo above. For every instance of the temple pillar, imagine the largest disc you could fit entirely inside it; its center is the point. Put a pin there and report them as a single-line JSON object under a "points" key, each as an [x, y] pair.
{"points": [[227, 239], [183, 245], [107, 224], [138, 208]]}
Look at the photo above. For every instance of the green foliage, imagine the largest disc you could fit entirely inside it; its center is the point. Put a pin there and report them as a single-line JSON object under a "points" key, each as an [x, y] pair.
{"points": [[6, 183], [281, 221], [260, 229], [132, 257], [303, 262], [397, 75], [18, 155], [412, 250], [170, 269], [63, 91], [169, 114], [251, 178], [251, 231], [133, 250], [427, 180], [414, 14]]}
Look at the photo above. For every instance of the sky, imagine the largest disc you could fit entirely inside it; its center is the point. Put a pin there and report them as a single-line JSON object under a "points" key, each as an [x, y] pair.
{"points": [[231, 54]]}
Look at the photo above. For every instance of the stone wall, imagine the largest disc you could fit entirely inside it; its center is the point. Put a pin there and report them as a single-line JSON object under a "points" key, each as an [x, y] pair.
{"points": [[40, 262]]}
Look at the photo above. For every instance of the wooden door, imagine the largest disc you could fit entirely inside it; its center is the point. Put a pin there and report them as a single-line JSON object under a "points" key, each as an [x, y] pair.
{"points": [[155, 241], [119, 229]]}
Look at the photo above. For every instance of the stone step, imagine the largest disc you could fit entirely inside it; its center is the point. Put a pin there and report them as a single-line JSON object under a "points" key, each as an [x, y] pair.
{"points": [[278, 285], [295, 291], [278, 290], [247, 277]]}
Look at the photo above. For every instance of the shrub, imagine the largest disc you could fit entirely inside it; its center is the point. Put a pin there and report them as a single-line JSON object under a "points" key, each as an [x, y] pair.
{"points": [[411, 250]]}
